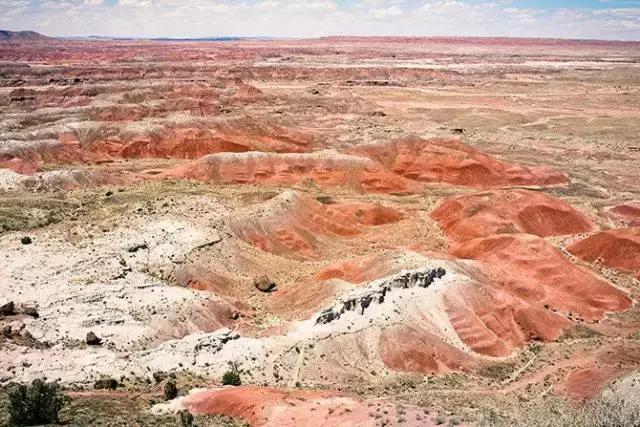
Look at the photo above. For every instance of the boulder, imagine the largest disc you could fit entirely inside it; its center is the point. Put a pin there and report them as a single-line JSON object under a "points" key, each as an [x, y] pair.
{"points": [[92, 339], [159, 376], [265, 284], [30, 310], [7, 308]]}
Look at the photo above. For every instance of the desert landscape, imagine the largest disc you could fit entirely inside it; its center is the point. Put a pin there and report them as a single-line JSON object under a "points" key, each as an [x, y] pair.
{"points": [[333, 232]]}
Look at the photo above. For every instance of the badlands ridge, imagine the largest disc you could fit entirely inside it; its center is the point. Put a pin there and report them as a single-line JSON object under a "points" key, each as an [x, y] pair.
{"points": [[446, 237]]}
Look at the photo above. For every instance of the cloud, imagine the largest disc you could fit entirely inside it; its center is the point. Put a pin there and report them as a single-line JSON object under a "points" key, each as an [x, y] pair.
{"points": [[389, 12], [300, 18]]}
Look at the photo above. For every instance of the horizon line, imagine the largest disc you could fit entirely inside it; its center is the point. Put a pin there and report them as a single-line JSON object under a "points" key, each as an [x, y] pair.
{"points": [[344, 36], [320, 37]]}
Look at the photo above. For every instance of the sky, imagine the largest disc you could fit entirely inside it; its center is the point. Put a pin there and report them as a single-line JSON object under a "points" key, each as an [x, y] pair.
{"points": [[594, 19]]}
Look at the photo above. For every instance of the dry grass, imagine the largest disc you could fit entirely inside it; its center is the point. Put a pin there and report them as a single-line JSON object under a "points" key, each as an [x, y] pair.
{"points": [[89, 135], [609, 410]]}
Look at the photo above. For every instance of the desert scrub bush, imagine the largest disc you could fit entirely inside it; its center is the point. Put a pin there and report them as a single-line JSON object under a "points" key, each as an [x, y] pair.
{"points": [[498, 371], [170, 389], [88, 135], [610, 410], [186, 419], [35, 404], [232, 376]]}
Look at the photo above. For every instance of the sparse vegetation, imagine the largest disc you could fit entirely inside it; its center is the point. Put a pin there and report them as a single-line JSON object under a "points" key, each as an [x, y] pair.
{"points": [[170, 389], [499, 371], [106, 384], [609, 410], [88, 135], [120, 229], [186, 419], [232, 376], [35, 404]]}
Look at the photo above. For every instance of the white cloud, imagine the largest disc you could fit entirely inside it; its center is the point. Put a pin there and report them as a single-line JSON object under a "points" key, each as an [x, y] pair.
{"points": [[310, 18], [389, 12]]}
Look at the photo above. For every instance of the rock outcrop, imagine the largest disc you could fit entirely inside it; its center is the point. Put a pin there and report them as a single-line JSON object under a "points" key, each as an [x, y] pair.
{"points": [[376, 292]]}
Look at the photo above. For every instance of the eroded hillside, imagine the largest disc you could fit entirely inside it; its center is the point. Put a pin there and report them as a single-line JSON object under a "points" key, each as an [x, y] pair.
{"points": [[372, 231]]}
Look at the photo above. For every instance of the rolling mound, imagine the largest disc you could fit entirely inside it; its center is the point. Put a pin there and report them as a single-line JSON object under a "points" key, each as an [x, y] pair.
{"points": [[494, 322], [618, 249], [291, 223], [192, 143], [598, 369], [522, 290], [629, 213], [325, 169], [371, 267], [102, 144], [421, 351], [507, 212], [532, 270], [450, 161]]}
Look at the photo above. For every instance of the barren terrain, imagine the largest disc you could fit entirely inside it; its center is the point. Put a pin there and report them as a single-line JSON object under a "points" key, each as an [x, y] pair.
{"points": [[373, 231]]}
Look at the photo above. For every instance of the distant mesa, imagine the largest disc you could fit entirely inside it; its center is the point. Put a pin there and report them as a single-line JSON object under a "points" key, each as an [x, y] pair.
{"points": [[6, 35]]}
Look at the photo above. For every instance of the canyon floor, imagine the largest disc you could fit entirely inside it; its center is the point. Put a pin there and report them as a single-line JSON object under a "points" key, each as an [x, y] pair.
{"points": [[370, 231]]}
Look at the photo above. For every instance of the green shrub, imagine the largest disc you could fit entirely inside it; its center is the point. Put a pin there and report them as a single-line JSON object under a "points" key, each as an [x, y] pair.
{"points": [[170, 389], [186, 419], [106, 384], [35, 404], [231, 378]]}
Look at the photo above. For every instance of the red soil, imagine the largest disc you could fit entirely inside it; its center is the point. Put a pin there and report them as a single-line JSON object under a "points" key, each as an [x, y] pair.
{"points": [[224, 287], [19, 165], [192, 143], [409, 349], [209, 316], [618, 249], [280, 408], [532, 270], [494, 322], [302, 299], [359, 270], [179, 143], [629, 213], [30, 158], [451, 161], [525, 258], [509, 211], [605, 365], [293, 222], [584, 383], [325, 169], [247, 92]]}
